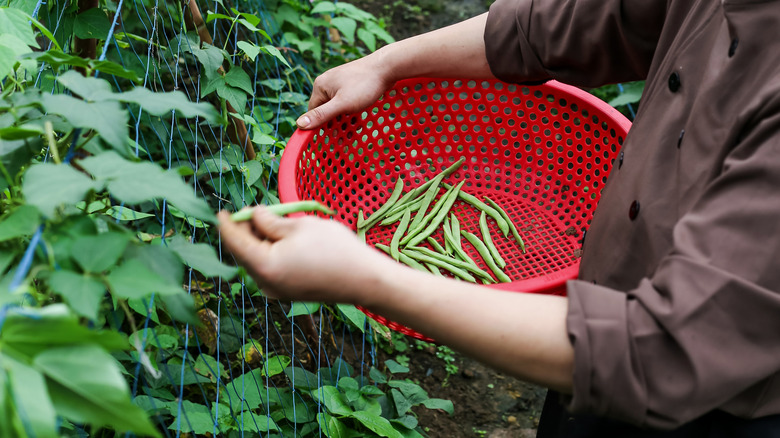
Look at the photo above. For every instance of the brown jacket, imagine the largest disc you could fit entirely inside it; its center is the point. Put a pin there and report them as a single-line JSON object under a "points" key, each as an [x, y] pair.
{"points": [[677, 310]]}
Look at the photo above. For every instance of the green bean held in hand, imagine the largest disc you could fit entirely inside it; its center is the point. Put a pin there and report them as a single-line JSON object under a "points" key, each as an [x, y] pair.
{"points": [[284, 209]]}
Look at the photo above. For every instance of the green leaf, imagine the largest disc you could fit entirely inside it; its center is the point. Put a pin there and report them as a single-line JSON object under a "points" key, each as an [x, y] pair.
{"points": [[394, 367], [377, 376], [302, 308], [161, 103], [134, 280], [30, 331], [210, 57], [368, 38], [134, 183], [380, 33], [202, 258], [82, 292], [333, 400], [376, 424], [16, 23], [402, 403], [256, 422], [96, 254], [5, 261], [248, 387], [235, 96], [193, 418], [181, 308], [438, 403], [86, 386], [48, 186], [632, 92], [407, 421], [353, 315], [371, 390], [323, 8], [7, 61], [273, 51], [251, 171], [207, 366], [275, 365], [238, 78], [21, 222], [332, 427], [112, 68], [346, 26], [124, 214], [106, 117], [251, 50], [274, 84], [301, 379], [35, 408], [159, 259], [92, 23]]}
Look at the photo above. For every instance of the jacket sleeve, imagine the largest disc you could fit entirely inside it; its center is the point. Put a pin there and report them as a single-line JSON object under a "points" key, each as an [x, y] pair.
{"points": [[580, 42], [704, 328]]}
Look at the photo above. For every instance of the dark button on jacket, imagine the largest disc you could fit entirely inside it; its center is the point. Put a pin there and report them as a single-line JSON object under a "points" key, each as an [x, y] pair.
{"points": [[674, 82]]}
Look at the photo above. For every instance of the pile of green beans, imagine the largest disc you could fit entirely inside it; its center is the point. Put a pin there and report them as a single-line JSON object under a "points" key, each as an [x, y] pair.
{"points": [[419, 215]]}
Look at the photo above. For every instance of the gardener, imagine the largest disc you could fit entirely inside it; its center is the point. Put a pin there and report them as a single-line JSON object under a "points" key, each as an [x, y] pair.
{"points": [[675, 321]]}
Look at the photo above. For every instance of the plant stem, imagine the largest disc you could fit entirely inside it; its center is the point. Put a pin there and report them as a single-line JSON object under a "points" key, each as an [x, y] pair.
{"points": [[53, 150]]}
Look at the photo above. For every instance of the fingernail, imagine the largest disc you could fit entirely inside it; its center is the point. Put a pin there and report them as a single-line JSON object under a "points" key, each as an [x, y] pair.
{"points": [[303, 121]]}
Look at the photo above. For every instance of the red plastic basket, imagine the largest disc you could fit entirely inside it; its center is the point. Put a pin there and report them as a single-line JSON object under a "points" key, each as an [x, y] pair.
{"points": [[542, 152]]}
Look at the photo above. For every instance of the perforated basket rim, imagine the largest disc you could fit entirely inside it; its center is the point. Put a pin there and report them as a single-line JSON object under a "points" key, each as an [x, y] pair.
{"points": [[288, 191]]}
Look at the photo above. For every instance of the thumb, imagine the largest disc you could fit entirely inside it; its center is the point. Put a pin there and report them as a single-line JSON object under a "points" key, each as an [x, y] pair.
{"points": [[321, 114], [270, 225]]}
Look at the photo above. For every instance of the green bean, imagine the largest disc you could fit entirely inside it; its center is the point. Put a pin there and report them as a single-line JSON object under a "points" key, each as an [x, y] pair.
{"points": [[434, 270], [405, 259], [426, 202], [512, 226], [392, 218], [361, 232], [457, 247], [455, 227], [399, 232], [447, 244], [283, 209], [471, 267], [443, 212], [471, 199], [444, 265], [436, 245], [485, 253], [414, 193], [379, 214], [488, 240], [428, 217]]}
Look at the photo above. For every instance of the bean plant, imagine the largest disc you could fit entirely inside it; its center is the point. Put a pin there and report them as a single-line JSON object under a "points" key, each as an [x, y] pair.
{"points": [[123, 128]]}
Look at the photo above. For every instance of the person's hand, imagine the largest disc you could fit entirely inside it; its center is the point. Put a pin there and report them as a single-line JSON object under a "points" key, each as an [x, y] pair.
{"points": [[306, 259], [347, 88]]}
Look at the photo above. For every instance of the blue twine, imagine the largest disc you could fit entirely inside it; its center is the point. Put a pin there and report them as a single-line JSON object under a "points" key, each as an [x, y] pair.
{"points": [[26, 263]]}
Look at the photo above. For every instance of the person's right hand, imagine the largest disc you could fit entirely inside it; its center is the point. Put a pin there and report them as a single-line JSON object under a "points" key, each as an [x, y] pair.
{"points": [[347, 88]]}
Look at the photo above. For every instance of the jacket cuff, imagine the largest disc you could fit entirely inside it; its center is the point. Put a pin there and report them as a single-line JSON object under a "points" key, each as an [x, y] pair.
{"points": [[605, 379], [509, 54]]}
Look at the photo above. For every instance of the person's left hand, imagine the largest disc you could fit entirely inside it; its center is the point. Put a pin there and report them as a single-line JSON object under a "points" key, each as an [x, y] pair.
{"points": [[306, 259]]}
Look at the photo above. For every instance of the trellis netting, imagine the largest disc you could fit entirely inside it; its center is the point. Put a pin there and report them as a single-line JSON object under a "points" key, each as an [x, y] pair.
{"points": [[246, 366]]}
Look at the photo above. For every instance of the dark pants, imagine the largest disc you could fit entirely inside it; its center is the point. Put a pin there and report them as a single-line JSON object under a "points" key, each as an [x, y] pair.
{"points": [[557, 423]]}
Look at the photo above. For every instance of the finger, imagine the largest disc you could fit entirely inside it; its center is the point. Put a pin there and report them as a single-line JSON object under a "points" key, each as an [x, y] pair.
{"points": [[270, 225], [321, 114], [239, 240]]}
